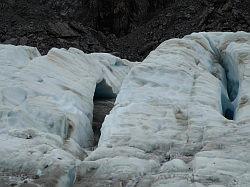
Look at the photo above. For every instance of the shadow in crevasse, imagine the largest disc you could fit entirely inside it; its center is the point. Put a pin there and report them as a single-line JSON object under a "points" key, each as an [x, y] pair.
{"points": [[230, 89], [104, 99]]}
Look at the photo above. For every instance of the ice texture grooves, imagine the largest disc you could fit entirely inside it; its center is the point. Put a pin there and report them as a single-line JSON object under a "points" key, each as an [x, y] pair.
{"points": [[181, 117], [46, 105], [168, 126]]}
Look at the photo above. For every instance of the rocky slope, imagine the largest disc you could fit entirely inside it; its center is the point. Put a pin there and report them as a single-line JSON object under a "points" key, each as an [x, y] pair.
{"points": [[129, 29]]}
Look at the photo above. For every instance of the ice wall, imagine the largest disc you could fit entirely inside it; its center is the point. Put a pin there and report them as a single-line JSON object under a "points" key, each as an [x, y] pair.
{"points": [[46, 105], [180, 119]]}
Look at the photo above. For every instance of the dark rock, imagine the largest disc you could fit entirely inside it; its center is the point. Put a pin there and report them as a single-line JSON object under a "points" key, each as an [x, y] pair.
{"points": [[147, 48], [126, 27], [28, 185], [102, 107], [61, 29], [23, 40], [79, 27], [13, 41]]}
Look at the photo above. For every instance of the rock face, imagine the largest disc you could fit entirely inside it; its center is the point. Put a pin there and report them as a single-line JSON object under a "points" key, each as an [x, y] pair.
{"points": [[131, 28], [180, 119], [46, 105]]}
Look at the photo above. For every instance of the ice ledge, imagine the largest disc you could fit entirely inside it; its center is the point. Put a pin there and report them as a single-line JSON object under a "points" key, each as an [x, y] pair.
{"points": [[46, 105], [168, 126], [172, 112]]}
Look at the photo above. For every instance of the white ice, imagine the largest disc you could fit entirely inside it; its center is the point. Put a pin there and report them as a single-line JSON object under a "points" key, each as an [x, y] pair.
{"points": [[167, 125], [181, 117], [46, 105]]}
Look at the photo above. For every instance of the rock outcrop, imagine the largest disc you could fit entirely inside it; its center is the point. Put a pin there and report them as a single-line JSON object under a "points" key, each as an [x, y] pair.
{"points": [[129, 28]]}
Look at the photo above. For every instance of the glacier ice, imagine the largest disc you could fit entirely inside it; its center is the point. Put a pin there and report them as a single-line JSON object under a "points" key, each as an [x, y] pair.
{"points": [[181, 117], [46, 105]]}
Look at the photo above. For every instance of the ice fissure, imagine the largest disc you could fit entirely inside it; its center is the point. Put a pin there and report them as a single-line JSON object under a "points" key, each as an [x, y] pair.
{"points": [[104, 99], [230, 86], [172, 121], [46, 110], [228, 70], [170, 124]]}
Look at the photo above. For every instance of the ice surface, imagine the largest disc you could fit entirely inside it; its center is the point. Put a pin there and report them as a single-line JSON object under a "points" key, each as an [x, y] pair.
{"points": [[46, 105], [181, 117], [171, 111]]}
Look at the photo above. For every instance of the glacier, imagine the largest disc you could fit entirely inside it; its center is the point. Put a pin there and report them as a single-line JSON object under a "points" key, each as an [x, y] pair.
{"points": [[181, 117], [46, 105]]}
